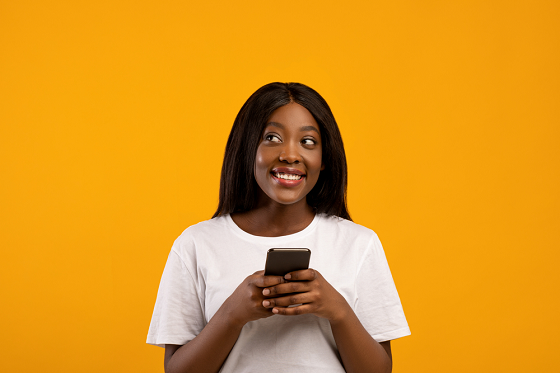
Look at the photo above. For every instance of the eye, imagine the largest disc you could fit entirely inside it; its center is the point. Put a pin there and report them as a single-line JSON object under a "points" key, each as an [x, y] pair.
{"points": [[308, 142], [272, 137]]}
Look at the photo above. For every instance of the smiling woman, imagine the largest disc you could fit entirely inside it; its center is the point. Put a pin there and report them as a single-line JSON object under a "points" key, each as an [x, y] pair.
{"points": [[238, 186], [283, 184], [289, 157]]}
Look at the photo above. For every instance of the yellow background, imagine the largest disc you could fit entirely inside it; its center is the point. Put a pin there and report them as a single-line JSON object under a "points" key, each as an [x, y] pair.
{"points": [[114, 118]]}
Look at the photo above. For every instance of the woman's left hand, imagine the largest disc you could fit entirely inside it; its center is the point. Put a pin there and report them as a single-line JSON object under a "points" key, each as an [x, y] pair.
{"points": [[310, 289]]}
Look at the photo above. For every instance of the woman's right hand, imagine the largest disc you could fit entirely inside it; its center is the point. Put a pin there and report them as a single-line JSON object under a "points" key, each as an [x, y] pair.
{"points": [[245, 303], [210, 348]]}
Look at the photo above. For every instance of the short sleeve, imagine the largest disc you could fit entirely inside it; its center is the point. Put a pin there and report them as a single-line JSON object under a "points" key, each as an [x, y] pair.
{"points": [[377, 305], [178, 313]]}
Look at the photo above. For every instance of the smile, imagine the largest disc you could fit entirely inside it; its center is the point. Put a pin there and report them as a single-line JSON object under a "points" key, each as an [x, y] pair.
{"points": [[281, 175]]}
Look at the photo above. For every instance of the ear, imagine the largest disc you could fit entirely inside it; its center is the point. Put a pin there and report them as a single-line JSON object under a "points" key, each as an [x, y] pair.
{"points": [[322, 166]]}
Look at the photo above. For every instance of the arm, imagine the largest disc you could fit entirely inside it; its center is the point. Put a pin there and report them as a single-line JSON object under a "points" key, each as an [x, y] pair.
{"points": [[209, 349], [358, 350]]}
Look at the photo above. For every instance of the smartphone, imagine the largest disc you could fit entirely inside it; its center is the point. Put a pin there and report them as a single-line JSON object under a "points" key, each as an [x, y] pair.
{"points": [[280, 261]]}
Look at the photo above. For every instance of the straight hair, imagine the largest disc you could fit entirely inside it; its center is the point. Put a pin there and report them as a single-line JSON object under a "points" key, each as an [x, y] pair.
{"points": [[238, 187]]}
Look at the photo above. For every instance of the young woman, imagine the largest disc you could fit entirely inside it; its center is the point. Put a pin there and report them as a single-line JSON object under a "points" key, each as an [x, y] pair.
{"points": [[283, 184]]}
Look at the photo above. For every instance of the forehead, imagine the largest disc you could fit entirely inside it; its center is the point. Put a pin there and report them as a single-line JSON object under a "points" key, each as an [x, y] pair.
{"points": [[293, 116]]}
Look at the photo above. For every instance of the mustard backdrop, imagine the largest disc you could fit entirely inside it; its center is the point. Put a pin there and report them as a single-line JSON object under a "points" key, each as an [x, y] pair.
{"points": [[114, 117]]}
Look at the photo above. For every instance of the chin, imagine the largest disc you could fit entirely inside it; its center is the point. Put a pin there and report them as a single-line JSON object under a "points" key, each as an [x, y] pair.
{"points": [[288, 201]]}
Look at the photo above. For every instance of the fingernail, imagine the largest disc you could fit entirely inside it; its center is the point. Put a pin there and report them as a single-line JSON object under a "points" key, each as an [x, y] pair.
{"points": [[266, 303], [274, 310], [288, 276], [266, 292]]}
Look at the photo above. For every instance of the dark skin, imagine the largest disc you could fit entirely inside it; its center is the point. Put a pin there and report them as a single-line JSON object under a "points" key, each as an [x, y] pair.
{"points": [[291, 140]]}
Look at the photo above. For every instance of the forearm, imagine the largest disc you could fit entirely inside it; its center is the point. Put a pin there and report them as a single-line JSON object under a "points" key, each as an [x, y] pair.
{"points": [[208, 350], [358, 350]]}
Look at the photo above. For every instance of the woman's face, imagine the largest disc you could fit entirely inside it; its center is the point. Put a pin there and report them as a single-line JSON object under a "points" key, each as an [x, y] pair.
{"points": [[289, 156]]}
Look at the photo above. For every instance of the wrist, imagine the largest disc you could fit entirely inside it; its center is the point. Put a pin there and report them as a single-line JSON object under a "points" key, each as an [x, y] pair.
{"points": [[229, 315], [343, 314]]}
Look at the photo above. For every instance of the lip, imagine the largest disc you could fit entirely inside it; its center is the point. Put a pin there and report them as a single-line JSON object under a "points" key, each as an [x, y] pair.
{"points": [[290, 171]]}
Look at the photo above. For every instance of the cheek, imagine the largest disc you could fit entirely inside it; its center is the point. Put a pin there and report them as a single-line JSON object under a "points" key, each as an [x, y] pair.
{"points": [[261, 166], [260, 160], [317, 163]]}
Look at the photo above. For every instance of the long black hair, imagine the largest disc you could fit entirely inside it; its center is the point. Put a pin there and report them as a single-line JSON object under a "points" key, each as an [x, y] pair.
{"points": [[238, 188]]}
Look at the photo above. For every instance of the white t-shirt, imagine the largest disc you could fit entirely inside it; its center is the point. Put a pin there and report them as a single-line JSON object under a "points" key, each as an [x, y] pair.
{"points": [[210, 259]]}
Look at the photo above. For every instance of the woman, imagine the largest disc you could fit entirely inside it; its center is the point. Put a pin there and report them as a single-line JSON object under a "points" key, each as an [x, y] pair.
{"points": [[283, 184]]}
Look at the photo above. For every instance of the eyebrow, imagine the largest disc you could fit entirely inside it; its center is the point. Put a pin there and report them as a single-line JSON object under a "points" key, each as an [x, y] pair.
{"points": [[302, 129]]}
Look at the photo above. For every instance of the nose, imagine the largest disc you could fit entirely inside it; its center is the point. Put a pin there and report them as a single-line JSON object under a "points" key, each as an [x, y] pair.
{"points": [[290, 154]]}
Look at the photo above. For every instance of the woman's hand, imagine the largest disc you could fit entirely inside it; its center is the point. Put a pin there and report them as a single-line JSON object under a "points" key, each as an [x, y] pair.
{"points": [[210, 348], [308, 288], [246, 302]]}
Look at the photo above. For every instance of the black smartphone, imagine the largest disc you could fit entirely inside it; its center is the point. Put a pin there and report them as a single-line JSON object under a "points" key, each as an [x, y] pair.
{"points": [[281, 261]]}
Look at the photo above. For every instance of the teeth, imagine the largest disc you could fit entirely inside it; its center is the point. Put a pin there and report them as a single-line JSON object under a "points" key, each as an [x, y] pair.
{"points": [[287, 176]]}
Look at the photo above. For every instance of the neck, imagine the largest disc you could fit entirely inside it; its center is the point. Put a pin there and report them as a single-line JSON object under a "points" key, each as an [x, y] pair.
{"points": [[274, 219]]}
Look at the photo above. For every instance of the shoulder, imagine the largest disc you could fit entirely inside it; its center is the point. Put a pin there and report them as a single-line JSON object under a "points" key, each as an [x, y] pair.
{"points": [[346, 227], [200, 232], [206, 227], [353, 241]]}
